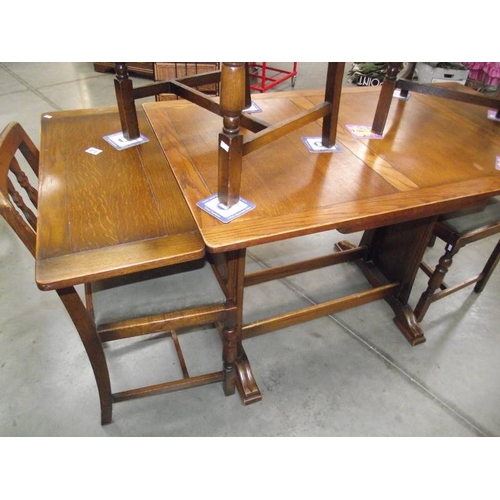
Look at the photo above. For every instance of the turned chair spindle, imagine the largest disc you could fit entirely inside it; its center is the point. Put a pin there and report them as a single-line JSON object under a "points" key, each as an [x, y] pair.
{"points": [[458, 229]]}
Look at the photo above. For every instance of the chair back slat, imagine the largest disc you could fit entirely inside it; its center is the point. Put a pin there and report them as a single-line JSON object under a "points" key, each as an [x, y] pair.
{"points": [[24, 182], [19, 202], [13, 205]]}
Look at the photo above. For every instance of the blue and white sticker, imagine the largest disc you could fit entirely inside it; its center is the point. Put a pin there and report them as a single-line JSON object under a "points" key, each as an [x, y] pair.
{"points": [[253, 108], [397, 95], [315, 145], [225, 214], [118, 141]]}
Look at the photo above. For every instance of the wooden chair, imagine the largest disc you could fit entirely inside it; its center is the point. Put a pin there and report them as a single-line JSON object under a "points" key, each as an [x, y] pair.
{"points": [[234, 99], [128, 306], [458, 229], [402, 79]]}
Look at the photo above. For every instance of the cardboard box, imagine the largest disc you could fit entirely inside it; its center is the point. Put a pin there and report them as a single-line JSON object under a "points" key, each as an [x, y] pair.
{"points": [[427, 73]]}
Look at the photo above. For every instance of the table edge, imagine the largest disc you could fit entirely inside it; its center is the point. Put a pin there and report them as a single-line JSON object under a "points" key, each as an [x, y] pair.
{"points": [[51, 273]]}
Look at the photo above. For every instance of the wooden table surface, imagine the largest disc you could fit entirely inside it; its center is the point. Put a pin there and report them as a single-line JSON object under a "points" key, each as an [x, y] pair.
{"points": [[108, 214], [436, 155], [125, 211]]}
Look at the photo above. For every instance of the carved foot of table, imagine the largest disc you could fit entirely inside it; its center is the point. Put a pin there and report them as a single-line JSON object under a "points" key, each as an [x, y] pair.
{"points": [[406, 321], [245, 381]]}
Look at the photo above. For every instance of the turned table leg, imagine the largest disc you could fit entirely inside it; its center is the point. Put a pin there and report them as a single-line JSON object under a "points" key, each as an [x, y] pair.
{"points": [[229, 268]]}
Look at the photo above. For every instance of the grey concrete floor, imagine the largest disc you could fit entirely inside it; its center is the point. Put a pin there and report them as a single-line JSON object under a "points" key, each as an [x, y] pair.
{"points": [[351, 374]]}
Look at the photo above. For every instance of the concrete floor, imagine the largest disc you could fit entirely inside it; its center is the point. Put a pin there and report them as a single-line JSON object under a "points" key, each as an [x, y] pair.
{"points": [[351, 374]]}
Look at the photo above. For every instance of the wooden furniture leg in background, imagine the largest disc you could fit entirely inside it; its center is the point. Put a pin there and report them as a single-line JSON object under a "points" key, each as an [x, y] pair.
{"points": [[409, 72], [248, 96], [488, 269], [334, 79], [384, 102]]}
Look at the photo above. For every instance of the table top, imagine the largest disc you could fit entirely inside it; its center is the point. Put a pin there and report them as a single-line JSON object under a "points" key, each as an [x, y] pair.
{"points": [[436, 156], [108, 214]]}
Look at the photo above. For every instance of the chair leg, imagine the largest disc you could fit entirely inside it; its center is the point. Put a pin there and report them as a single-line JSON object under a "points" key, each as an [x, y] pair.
{"points": [[93, 346], [232, 102], [409, 76], [434, 283], [385, 99], [333, 90], [488, 269], [126, 104]]}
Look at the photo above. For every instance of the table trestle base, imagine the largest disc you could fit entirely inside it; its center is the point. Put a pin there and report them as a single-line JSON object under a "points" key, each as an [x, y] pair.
{"points": [[404, 318], [350, 254], [230, 271]]}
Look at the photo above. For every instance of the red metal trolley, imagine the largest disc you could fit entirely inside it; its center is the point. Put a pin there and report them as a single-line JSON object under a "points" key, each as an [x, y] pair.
{"points": [[275, 77]]}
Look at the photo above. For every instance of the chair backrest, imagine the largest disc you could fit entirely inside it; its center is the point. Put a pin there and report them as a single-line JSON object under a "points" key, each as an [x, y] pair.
{"points": [[16, 192]]}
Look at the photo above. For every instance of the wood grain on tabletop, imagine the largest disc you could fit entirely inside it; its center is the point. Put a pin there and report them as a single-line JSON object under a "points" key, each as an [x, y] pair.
{"points": [[433, 158], [117, 209]]}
